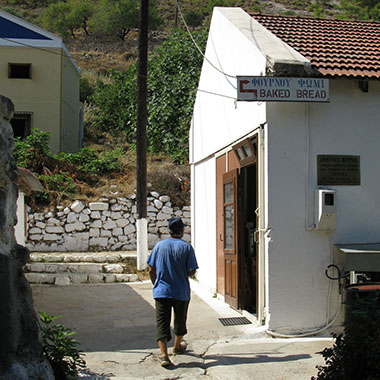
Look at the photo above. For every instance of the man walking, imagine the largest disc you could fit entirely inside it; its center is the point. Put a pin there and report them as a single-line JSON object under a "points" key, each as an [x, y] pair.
{"points": [[171, 262]]}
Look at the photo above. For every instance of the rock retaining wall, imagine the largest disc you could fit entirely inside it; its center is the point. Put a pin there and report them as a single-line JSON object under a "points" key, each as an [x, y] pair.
{"points": [[106, 225]]}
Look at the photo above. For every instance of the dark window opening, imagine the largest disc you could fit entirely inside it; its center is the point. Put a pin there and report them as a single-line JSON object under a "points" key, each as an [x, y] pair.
{"points": [[20, 70], [21, 124]]}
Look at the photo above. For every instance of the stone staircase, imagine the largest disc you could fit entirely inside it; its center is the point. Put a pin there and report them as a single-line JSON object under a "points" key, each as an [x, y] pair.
{"points": [[82, 268]]}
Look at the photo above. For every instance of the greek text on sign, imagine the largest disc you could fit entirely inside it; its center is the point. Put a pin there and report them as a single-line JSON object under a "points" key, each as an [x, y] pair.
{"points": [[282, 89]]}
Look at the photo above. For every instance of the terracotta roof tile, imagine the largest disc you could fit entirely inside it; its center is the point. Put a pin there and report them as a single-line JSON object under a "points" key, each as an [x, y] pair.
{"points": [[334, 47]]}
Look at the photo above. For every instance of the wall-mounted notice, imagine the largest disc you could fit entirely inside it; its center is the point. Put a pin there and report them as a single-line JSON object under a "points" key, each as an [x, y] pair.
{"points": [[282, 89], [338, 170]]}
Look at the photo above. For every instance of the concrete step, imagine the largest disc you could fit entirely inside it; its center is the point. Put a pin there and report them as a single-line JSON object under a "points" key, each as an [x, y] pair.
{"points": [[82, 268]]}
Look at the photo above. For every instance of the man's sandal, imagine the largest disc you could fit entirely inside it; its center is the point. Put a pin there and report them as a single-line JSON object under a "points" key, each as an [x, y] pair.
{"points": [[165, 361], [181, 349]]}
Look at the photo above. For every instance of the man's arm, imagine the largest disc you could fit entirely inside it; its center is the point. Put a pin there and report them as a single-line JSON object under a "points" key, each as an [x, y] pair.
{"points": [[191, 273], [152, 274]]}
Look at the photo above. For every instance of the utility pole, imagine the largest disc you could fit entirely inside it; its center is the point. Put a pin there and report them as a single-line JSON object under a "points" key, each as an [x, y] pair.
{"points": [[176, 13], [141, 180]]}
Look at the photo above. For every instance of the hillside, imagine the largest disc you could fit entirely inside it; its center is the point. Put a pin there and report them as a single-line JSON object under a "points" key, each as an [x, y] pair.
{"points": [[96, 54]]}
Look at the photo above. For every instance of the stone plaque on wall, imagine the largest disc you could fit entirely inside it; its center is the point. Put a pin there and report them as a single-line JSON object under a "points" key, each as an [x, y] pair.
{"points": [[338, 170]]}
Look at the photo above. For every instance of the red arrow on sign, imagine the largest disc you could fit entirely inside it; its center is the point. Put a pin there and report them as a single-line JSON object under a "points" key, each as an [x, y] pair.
{"points": [[250, 90]]}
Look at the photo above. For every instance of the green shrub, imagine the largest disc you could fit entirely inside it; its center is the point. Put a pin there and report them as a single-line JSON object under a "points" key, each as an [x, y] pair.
{"points": [[60, 348], [86, 90], [37, 143], [193, 18], [355, 354]]}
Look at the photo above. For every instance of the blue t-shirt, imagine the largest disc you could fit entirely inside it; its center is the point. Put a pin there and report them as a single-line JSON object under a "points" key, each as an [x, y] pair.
{"points": [[173, 259]]}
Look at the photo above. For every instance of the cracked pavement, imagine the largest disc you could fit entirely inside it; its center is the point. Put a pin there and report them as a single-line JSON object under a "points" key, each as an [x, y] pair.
{"points": [[115, 325]]}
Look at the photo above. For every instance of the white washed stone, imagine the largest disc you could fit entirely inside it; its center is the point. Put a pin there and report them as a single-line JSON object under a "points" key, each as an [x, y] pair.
{"points": [[116, 207], [187, 238], [161, 223], [95, 215], [79, 278], [115, 215], [60, 214], [163, 216], [94, 232], [164, 230], [153, 230], [186, 208], [110, 224], [53, 222], [62, 280], [158, 204], [151, 215], [112, 200], [98, 206], [77, 206], [70, 227], [113, 268], [40, 278], [129, 229], [39, 216], [106, 213], [40, 225], [186, 221], [50, 237], [122, 238], [105, 233], [109, 278], [117, 231], [111, 241], [122, 222], [187, 214], [49, 215], [167, 210], [79, 226], [72, 217], [103, 218], [134, 209], [96, 224], [132, 219], [168, 204], [54, 229], [164, 198], [76, 244], [154, 194], [151, 209], [35, 230], [66, 210], [82, 235], [178, 213], [187, 230], [84, 218], [94, 278], [35, 237]]}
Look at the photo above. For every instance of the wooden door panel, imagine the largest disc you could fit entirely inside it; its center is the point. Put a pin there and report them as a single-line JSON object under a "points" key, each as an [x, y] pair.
{"points": [[230, 237]]}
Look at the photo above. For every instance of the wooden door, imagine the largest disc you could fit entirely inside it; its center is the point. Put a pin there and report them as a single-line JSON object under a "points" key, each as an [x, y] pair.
{"points": [[230, 238]]}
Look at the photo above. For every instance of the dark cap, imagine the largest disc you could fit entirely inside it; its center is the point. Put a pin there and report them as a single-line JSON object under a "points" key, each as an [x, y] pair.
{"points": [[176, 224]]}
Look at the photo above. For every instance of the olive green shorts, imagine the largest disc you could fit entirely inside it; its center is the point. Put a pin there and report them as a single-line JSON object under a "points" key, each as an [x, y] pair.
{"points": [[164, 308]]}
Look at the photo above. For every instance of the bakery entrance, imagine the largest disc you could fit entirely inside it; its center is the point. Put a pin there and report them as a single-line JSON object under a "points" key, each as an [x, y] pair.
{"points": [[237, 246]]}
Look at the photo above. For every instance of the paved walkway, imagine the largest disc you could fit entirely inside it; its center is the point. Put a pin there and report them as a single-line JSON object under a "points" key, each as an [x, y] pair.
{"points": [[115, 325]]}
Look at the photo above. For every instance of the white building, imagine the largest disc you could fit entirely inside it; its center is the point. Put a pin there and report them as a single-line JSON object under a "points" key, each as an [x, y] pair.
{"points": [[255, 227]]}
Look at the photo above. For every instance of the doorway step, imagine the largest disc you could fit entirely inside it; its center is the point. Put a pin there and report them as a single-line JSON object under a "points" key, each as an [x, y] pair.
{"points": [[57, 268]]}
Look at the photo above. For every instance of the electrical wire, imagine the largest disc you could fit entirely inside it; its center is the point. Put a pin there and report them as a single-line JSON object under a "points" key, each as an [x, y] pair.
{"points": [[197, 46]]}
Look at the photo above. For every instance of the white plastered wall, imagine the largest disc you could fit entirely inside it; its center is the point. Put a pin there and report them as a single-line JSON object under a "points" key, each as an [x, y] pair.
{"points": [[348, 125], [218, 121]]}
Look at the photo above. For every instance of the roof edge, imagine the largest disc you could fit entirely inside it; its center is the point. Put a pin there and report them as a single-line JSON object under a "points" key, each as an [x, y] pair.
{"points": [[281, 59]]}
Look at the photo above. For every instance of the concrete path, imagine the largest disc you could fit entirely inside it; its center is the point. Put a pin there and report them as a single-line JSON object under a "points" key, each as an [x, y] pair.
{"points": [[115, 324]]}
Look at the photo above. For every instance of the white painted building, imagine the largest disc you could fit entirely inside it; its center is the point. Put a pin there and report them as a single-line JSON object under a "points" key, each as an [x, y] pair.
{"points": [[253, 221]]}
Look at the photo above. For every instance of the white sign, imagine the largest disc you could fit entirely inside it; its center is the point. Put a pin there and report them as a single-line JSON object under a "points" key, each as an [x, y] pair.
{"points": [[282, 89]]}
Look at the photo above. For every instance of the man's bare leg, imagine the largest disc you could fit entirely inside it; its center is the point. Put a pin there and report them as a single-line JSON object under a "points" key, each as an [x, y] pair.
{"points": [[163, 344], [177, 342]]}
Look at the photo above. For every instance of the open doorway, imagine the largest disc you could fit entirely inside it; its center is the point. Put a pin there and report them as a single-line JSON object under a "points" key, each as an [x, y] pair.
{"points": [[237, 225], [247, 204]]}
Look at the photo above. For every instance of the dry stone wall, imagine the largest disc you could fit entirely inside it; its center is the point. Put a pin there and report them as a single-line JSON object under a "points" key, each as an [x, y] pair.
{"points": [[105, 225]]}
